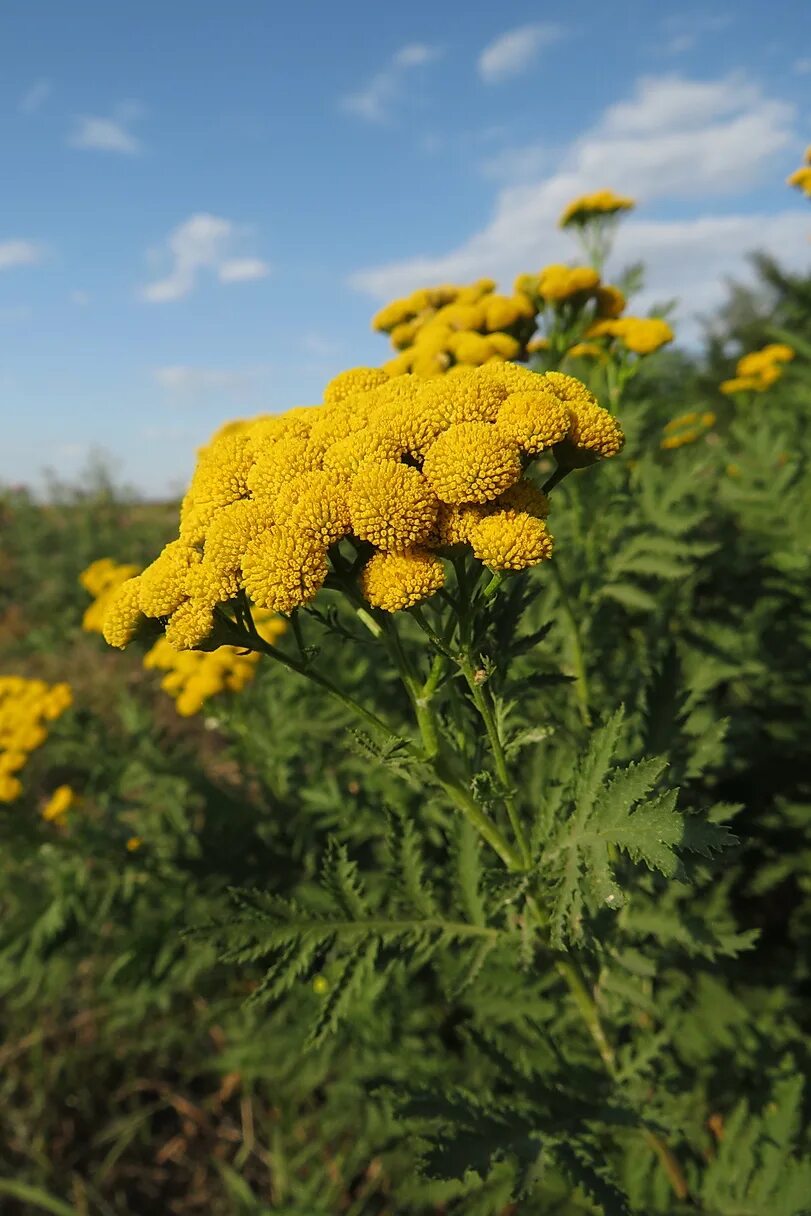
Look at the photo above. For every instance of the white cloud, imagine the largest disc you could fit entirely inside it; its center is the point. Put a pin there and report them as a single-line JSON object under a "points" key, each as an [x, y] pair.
{"points": [[684, 31], [202, 242], [34, 98], [519, 164], [185, 382], [374, 102], [672, 138], [242, 270], [20, 253], [319, 346], [92, 133], [514, 51]]}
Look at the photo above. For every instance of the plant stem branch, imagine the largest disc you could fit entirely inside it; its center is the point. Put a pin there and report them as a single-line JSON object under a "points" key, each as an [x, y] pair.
{"points": [[578, 661], [587, 1007], [482, 702]]}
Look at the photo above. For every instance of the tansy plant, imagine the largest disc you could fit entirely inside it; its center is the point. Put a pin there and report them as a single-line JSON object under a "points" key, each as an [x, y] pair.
{"points": [[556, 317], [396, 498]]}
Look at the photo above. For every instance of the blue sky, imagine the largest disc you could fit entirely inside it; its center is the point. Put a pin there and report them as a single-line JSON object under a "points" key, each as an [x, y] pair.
{"points": [[203, 204]]}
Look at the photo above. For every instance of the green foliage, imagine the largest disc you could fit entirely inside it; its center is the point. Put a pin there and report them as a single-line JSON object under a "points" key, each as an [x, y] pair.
{"points": [[551, 957]]}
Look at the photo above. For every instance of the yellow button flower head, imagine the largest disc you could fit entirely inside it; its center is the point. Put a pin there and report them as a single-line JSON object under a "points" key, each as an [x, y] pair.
{"points": [[393, 581], [59, 803], [162, 586], [469, 395], [801, 179], [567, 388], [374, 443], [644, 335], [279, 463], [454, 522], [502, 312], [25, 706], [509, 377], [601, 204], [593, 433], [472, 462], [124, 616], [505, 346], [190, 624], [284, 569], [511, 540], [220, 476], [525, 496], [391, 505], [557, 283], [356, 380], [403, 335], [686, 429], [535, 420], [316, 504], [472, 349], [100, 579]]}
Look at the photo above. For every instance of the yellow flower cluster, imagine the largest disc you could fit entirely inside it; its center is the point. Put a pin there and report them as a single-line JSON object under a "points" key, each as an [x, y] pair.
{"points": [[100, 580], [758, 370], [58, 805], [194, 676], [641, 335], [687, 428], [440, 327], [801, 178], [602, 204], [398, 467], [25, 708]]}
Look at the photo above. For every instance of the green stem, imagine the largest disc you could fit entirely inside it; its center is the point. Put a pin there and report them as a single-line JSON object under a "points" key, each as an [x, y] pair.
{"points": [[578, 661], [555, 479], [482, 702], [480, 821], [587, 1007], [254, 641]]}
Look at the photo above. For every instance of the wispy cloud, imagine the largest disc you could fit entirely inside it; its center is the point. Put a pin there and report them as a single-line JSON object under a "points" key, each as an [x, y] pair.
{"points": [[684, 31], [186, 380], [203, 242], [20, 253], [79, 298], [672, 137], [93, 133], [514, 51], [375, 101], [242, 270], [801, 67], [34, 98]]}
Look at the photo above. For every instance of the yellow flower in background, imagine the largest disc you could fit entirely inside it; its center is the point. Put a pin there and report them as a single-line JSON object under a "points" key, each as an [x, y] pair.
{"points": [[404, 465], [601, 204], [59, 803], [26, 706], [801, 179], [759, 370], [100, 580], [557, 283], [192, 677], [641, 335], [438, 328], [686, 429]]}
